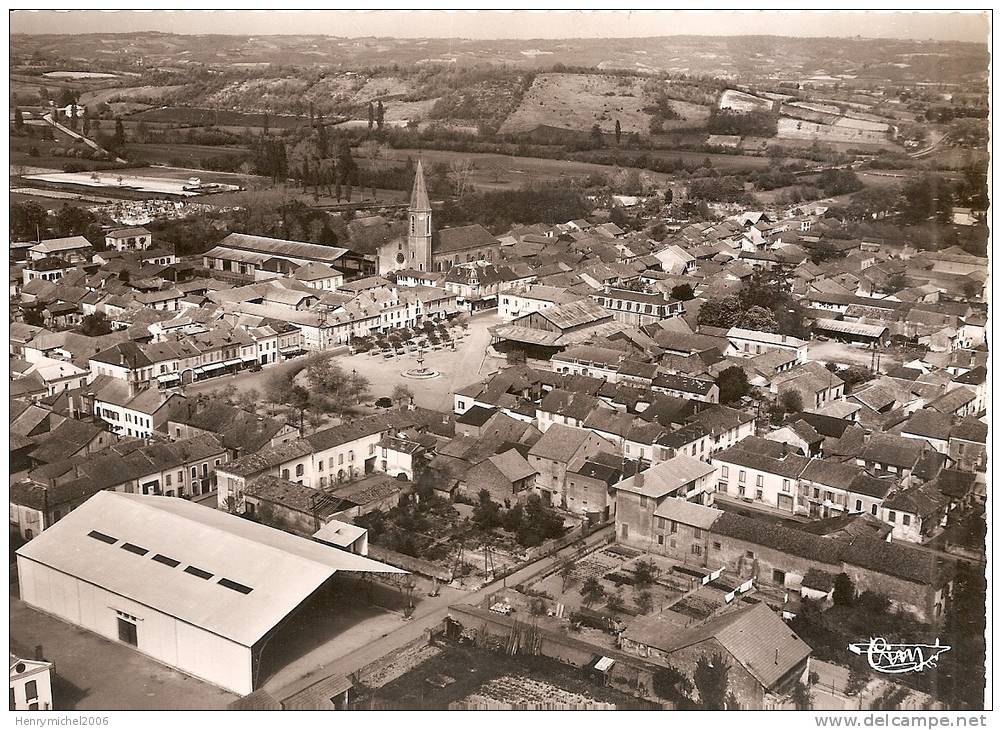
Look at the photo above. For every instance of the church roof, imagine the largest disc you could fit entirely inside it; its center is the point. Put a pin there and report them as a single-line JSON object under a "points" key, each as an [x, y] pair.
{"points": [[419, 195]]}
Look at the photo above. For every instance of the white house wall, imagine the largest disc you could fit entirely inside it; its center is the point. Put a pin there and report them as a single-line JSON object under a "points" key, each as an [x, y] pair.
{"points": [[164, 638]]}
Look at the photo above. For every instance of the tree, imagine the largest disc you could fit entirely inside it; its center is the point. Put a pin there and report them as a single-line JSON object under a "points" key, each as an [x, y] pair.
{"points": [[402, 395], [566, 575], [73, 116], [119, 139], [671, 684], [95, 325], [722, 313], [767, 288], [592, 591], [733, 384], [249, 400], [86, 123], [596, 135], [801, 696], [18, 120], [825, 251], [791, 401], [644, 572], [487, 513], [645, 601], [615, 602], [710, 678], [844, 592], [380, 113], [758, 318], [372, 116], [619, 132], [894, 283], [682, 292]]}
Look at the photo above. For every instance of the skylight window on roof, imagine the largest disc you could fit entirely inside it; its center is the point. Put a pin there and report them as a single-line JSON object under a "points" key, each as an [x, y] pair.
{"points": [[198, 572], [134, 549], [234, 586], [166, 561], [102, 537]]}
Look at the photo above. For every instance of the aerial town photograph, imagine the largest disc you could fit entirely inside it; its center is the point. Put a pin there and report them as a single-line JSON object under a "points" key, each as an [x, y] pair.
{"points": [[483, 360]]}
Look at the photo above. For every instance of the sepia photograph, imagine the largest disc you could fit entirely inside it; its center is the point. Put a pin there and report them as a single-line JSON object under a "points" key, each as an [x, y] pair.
{"points": [[499, 360]]}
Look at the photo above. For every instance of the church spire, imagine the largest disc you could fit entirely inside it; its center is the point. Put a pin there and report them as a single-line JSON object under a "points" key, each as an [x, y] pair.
{"points": [[419, 195]]}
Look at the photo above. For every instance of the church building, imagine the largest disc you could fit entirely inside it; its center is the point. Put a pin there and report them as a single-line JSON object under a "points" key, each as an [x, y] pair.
{"points": [[427, 249]]}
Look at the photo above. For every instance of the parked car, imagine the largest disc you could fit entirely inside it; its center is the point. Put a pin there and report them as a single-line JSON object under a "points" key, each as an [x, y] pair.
{"points": [[383, 402]]}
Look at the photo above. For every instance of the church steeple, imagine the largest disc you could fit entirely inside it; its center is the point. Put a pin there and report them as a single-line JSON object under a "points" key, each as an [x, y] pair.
{"points": [[419, 195], [419, 235]]}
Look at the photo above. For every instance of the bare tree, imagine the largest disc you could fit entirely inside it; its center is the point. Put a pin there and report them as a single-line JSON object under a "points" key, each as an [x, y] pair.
{"points": [[459, 174]]}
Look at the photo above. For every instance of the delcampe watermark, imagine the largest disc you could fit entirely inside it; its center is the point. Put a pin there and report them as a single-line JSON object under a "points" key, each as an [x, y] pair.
{"points": [[899, 658]]}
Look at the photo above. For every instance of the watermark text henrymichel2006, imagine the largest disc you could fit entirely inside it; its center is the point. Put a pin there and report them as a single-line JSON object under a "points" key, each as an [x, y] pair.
{"points": [[899, 658]]}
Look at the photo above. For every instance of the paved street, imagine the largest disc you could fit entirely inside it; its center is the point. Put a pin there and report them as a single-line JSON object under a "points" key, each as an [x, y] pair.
{"points": [[430, 612]]}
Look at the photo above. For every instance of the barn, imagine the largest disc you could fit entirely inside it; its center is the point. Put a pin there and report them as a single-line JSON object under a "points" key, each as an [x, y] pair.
{"points": [[197, 589]]}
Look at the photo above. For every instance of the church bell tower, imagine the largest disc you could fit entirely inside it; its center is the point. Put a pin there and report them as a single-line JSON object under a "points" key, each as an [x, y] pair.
{"points": [[418, 226]]}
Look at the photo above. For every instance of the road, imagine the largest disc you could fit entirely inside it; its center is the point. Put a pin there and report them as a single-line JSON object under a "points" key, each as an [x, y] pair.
{"points": [[69, 132], [429, 613]]}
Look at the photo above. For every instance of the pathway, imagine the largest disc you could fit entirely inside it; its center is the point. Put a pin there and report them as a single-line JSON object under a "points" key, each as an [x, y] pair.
{"points": [[70, 133], [429, 613]]}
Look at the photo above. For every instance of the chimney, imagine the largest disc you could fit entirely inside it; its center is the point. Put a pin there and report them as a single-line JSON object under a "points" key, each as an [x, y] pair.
{"points": [[638, 479], [39, 656]]}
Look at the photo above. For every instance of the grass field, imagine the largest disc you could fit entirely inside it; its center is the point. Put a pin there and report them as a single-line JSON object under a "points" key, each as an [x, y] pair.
{"points": [[196, 117], [150, 94], [187, 154], [578, 101]]}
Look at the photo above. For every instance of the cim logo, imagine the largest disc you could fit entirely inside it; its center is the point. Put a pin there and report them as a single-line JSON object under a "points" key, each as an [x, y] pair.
{"points": [[899, 658]]}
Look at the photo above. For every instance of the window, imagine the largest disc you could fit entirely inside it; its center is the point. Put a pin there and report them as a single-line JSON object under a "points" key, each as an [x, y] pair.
{"points": [[340, 458], [759, 481], [661, 539], [31, 690], [817, 493], [102, 537], [299, 470], [166, 561], [778, 576], [167, 480], [873, 509], [697, 549], [180, 477], [674, 527], [285, 474], [859, 505], [194, 473], [234, 586], [906, 520], [716, 545], [205, 469], [127, 630], [892, 516], [198, 572], [320, 466], [697, 533], [134, 549], [750, 555], [742, 476], [661, 523], [786, 485]]}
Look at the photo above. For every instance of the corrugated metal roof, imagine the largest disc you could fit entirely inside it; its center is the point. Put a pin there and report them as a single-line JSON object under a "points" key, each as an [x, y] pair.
{"points": [[280, 569]]}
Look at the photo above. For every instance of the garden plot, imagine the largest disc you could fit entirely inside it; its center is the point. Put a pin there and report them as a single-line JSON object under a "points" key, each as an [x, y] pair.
{"points": [[514, 692]]}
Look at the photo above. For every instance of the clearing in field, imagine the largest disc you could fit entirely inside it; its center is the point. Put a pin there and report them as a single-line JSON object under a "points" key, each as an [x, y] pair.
{"points": [[578, 101], [739, 101], [120, 179]]}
